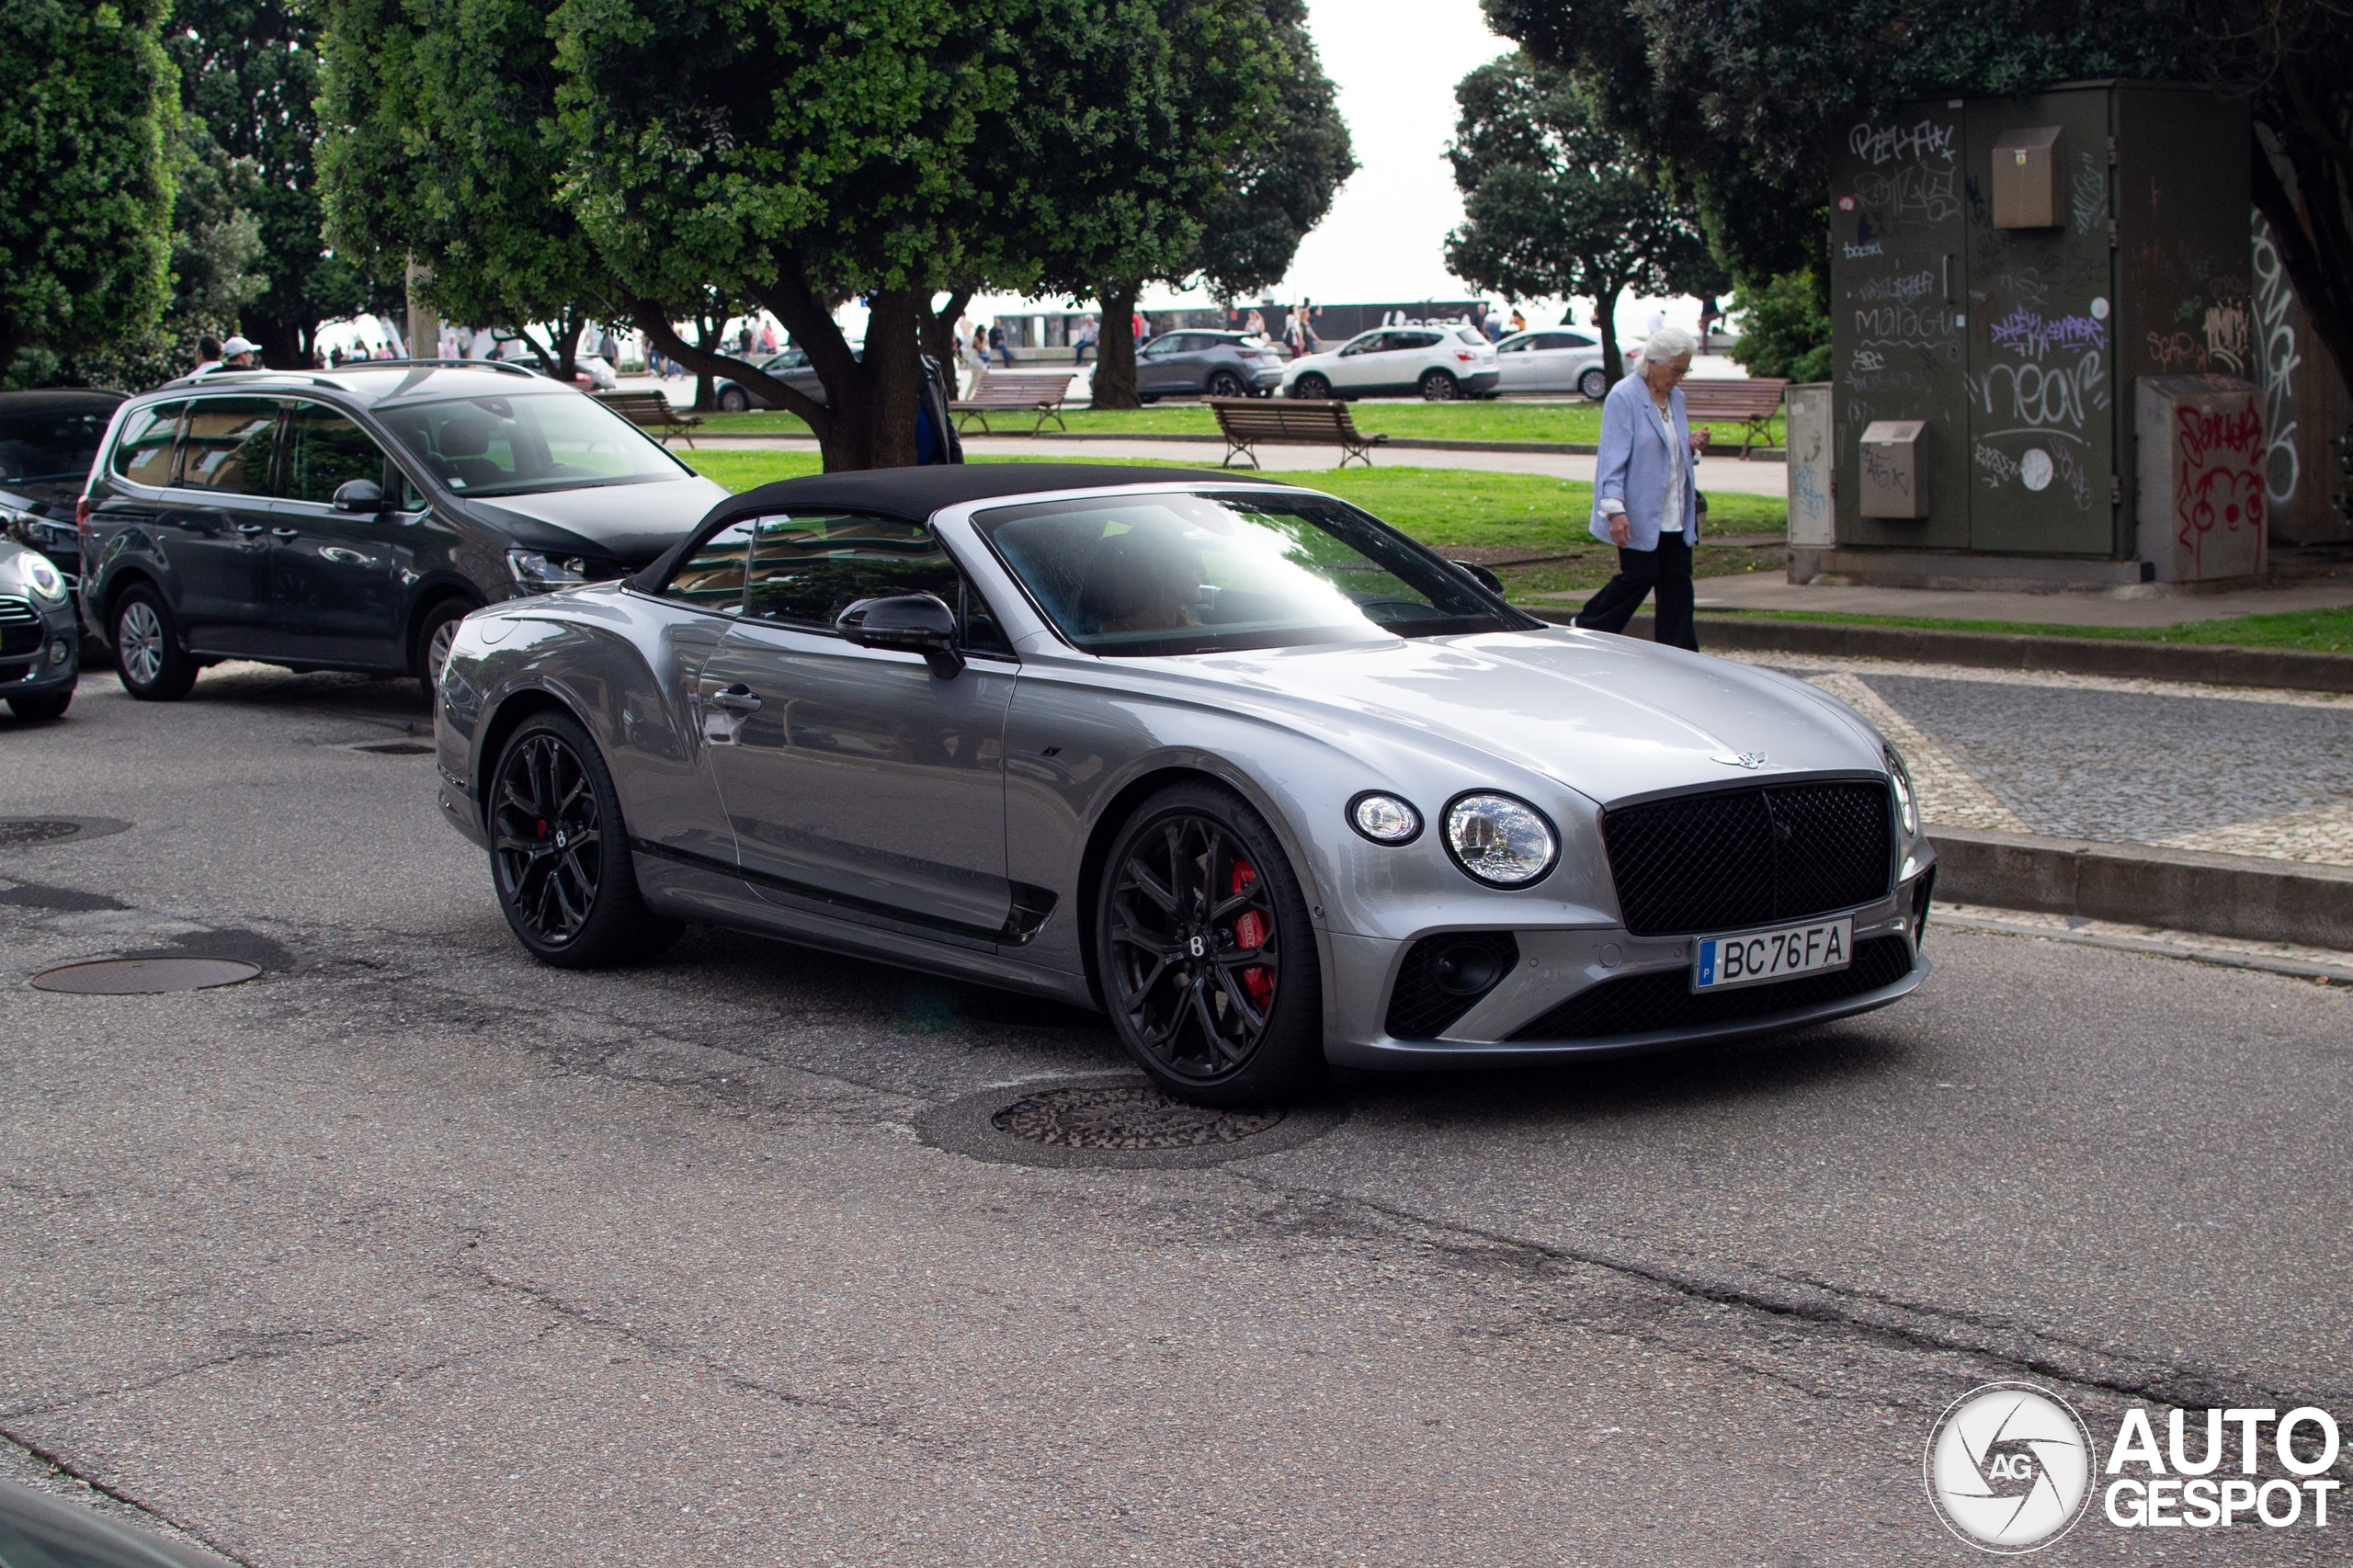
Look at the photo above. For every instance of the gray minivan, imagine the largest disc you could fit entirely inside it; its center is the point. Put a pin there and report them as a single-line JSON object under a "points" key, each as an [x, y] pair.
{"points": [[349, 519]]}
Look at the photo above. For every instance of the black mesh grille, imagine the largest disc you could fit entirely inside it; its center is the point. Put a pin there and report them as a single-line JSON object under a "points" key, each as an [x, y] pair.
{"points": [[1422, 1007], [1641, 1003], [1732, 858], [20, 628]]}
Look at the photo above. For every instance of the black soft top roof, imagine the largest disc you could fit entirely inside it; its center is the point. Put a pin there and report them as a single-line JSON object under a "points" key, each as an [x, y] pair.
{"points": [[915, 494]]}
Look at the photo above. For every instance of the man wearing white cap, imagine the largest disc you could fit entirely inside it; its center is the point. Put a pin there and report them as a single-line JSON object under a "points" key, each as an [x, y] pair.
{"points": [[237, 354]]}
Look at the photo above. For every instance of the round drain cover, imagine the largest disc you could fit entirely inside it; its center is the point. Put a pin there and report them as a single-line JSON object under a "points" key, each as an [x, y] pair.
{"points": [[1126, 1116], [144, 977], [35, 830]]}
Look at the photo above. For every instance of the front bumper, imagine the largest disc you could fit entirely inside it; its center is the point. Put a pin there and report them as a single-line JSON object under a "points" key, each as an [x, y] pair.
{"points": [[1556, 966], [55, 665]]}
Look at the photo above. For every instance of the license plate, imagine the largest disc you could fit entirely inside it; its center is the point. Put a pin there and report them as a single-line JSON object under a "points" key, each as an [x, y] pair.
{"points": [[1724, 963]]}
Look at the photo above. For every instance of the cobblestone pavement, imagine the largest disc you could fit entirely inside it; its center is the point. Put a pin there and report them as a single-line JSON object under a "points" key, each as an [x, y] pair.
{"points": [[2232, 769]]}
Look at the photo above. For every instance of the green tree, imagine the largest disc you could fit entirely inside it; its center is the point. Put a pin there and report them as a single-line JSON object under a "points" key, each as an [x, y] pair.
{"points": [[441, 147], [1743, 98], [1555, 204], [797, 157], [85, 183], [1785, 327], [1253, 222], [249, 72]]}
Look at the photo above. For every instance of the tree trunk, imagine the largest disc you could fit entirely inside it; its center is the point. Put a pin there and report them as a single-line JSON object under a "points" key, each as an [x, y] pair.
{"points": [[654, 321], [873, 402], [711, 337], [1605, 306], [1115, 355], [283, 344], [939, 331]]}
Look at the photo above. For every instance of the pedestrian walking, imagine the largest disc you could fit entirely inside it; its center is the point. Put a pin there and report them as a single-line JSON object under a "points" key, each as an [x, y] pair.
{"points": [[1711, 313], [1645, 495], [1256, 326], [237, 354], [1493, 325], [1295, 332]]}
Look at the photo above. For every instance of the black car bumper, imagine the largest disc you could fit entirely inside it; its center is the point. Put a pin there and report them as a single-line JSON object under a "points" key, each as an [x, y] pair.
{"points": [[53, 665]]}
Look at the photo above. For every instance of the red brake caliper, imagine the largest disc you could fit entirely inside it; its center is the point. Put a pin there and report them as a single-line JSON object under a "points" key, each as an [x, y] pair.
{"points": [[1250, 932]]}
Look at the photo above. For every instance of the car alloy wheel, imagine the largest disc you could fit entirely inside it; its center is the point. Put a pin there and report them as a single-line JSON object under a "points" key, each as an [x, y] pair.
{"points": [[559, 851], [1594, 384], [147, 651], [1207, 962], [1225, 383], [548, 838], [1439, 387], [733, 400], [1310, 386], [139, 642], [435, 636]]}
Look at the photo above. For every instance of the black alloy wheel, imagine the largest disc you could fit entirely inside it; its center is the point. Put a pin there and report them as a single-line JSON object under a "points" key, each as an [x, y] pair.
{"points": [[1208, 963], [558, 852], [153, 663], [1439, 387], [1311, 387], [1594, 384], [733, 400], [1225, 383]]}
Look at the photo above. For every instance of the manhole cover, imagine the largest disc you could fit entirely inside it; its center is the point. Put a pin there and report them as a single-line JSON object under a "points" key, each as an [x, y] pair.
{"points": [[1119, 1122], [397, 748], [1126, 1116], [142, 977], [35, 830]]}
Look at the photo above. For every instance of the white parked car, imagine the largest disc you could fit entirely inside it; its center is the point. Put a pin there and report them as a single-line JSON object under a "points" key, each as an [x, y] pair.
{"points": [[1551, 360], [1440, 363]]}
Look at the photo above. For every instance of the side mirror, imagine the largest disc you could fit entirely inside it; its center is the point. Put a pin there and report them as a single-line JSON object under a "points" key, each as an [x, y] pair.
{"points": [[1480, 575], [360, 495], [913, 623]]}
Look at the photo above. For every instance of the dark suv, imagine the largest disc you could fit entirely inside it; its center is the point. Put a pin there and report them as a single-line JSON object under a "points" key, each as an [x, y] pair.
{"points": [[349, 519], [48, 440]]}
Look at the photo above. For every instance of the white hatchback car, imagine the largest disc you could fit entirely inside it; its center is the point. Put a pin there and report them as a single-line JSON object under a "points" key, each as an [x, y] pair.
{"points": [[1440, 363], [1552, 360]]}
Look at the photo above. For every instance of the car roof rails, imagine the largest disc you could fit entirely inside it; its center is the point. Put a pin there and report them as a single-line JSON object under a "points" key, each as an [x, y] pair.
{"points": [[510, 366]]}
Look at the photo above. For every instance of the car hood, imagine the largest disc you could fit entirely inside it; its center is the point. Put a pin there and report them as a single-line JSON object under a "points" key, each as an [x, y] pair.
{"points": [[1613, 718], [630, 523]]}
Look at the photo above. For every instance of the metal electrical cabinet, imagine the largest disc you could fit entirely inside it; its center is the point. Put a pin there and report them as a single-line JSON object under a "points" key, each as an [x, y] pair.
{"points": [[2002, 269]]}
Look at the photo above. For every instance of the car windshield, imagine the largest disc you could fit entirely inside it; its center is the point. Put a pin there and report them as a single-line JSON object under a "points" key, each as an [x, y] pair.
{"points": [[1166, 574], [49, 445], [514, 444]]}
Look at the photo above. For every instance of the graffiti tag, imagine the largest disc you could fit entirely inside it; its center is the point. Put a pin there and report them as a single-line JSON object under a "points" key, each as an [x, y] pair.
{"points": [[2277, 361], [2226, 337], [1910, 192], [2027, 334], [2059, 395], [1903, 289], [2090, 202], [1889, 143]]}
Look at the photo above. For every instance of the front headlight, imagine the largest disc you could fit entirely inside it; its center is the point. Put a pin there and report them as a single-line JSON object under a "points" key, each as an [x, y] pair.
{"points": [[539, 574], [1499, 841], [45, 579], [1907, 805]]}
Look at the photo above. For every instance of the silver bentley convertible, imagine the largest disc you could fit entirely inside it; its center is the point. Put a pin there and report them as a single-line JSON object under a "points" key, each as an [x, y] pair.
{"points": [[1247, 769]]}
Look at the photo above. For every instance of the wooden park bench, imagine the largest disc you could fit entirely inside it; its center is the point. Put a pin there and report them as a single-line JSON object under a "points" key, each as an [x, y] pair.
{"points": [[1247, 423], [650, 411], [1027, 391], [1751, 403]]}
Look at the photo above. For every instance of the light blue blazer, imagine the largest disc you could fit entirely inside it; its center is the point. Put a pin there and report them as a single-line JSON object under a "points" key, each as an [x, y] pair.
{"points": [[1631, 469]]}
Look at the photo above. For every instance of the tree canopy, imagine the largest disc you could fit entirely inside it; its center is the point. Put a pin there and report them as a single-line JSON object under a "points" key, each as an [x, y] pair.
{"points": [[1741, 97], [1555, 204], [85, 183]]}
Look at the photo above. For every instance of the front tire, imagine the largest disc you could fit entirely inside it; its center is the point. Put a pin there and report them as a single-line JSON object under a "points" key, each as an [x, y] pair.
{"points": [[1311, 387], [1207, 958], [1439, 387], [47, 706], [435, 635], [734, 400], [1594, 384], [149, 654], [559, 855], [1225, 383]]}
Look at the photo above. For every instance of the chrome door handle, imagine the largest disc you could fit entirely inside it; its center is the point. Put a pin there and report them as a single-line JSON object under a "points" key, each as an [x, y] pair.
{"points": [[285, 533], [736, 699], [249, 529]]}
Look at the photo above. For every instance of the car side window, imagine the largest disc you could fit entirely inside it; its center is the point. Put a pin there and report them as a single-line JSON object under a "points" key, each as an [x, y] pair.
{"points": [[806, 568], [1413, 339], [1577, 340], [1159, 348], [143, 455], [227, 445], [712, 576], [1516, 345], [325, 450]]}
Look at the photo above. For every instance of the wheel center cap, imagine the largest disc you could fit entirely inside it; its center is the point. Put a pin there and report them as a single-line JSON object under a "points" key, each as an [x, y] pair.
{"points": [[1197, 947], [560, 839]]}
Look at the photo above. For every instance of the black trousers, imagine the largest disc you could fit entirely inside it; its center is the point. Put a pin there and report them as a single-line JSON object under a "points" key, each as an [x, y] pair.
{"points": [[1666, 573]]}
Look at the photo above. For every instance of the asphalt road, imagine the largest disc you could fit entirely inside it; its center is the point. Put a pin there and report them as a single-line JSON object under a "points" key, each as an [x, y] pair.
{"points": [[411, 1251]]}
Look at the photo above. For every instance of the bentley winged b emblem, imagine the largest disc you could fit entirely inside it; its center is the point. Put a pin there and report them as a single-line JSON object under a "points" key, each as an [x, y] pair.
{"points": [[1751, 760]]}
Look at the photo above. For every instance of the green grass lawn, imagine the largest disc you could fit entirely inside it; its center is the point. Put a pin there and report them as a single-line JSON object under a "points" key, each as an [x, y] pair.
{"points": [[1442, 506], [1562, 422], [2308, 631]]}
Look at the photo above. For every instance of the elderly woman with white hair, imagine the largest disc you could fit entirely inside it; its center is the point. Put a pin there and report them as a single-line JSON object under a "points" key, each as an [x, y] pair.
{"points": [[1645, 498]]}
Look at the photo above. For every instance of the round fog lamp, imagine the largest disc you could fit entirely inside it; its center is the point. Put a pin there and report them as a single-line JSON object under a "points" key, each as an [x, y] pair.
{"points": [[1384, 819], [1497, 840]]}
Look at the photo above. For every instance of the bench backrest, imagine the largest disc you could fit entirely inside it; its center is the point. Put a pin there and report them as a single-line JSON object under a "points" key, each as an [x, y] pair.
{"points": [[1018, 389], [637, 406], [1745, 399], [1279, 417]]}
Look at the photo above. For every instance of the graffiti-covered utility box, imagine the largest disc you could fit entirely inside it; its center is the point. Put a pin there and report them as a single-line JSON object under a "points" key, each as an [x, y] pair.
{"points": [[2009, 306], [1894, 468], [2202, 457]]}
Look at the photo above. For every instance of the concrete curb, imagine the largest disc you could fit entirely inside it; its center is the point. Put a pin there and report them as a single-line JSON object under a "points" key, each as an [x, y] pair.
{"points": [[2285, 669], [2222, 895]]}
